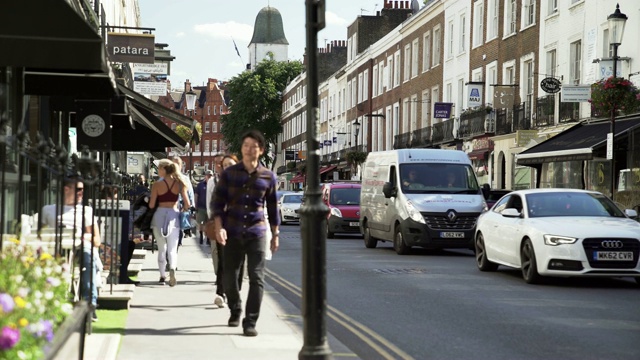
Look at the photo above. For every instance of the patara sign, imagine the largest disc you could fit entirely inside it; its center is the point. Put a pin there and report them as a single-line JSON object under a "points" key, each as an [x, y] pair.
{"points": [[131, 48]]}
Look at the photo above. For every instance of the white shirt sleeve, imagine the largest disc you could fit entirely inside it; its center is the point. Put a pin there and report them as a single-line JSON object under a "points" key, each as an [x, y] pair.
{"points": [[210, 185]]}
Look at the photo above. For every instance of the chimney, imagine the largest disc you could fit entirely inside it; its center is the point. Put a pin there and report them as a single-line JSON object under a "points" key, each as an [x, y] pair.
{"points": [[187, 86], [386, 4], [401, 4], [395, 6], [406, 5]]}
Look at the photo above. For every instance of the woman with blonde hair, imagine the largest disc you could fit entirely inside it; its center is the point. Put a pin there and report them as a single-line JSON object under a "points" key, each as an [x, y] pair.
{"points": [[166, 220]]}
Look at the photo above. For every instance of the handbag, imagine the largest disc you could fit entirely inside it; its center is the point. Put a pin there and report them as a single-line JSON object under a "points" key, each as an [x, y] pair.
{"points": [[185, 222]]}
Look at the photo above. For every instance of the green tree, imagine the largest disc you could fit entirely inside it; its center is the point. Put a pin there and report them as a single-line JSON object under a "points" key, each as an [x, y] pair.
{"points": [[256, 103]]}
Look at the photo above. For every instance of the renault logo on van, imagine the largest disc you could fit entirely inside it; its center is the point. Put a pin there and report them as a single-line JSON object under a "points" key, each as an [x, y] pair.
{"points": [[451, 215]]}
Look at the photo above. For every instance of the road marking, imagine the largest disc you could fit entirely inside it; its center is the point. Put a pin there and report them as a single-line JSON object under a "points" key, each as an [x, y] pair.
{"points": [[359, 330]]}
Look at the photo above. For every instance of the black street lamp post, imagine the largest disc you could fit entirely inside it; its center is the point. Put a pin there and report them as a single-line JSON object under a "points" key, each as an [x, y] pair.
{"points": [[190, 99], [356, 126], [616, 22]]}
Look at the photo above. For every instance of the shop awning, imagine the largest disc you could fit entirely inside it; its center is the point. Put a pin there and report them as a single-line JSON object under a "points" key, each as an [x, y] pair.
{"points": [[50, 35], [478, 154], [298, 178], [575, 143], [79, 85], [157, 108], [327, 169], [150, 133]]}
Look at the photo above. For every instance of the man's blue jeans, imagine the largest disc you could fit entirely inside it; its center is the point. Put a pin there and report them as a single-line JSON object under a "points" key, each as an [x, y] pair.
{"points": [[89, 290]]}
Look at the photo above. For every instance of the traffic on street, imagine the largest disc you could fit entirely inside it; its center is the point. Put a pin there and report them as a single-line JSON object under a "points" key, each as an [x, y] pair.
{"points": [[436, 304]]}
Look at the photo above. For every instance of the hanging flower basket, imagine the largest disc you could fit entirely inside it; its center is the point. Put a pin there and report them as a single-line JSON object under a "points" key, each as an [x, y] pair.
{"points": [[614, 94]]}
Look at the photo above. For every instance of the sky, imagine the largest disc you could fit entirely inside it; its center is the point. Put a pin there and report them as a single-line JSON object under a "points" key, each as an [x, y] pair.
{"points": [[200, 33]]}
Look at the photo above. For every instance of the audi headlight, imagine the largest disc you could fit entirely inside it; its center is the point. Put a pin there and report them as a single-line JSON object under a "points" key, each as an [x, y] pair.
{"points": [[414, 214], [336, 212], [555, 240]]}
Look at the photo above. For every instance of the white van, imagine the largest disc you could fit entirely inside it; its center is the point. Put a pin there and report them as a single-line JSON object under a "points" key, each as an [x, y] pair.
{"points": [[420, 197]]}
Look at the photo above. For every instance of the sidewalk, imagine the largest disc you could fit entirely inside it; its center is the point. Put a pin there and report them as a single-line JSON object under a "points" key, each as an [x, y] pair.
{"points": [[181, 322]]}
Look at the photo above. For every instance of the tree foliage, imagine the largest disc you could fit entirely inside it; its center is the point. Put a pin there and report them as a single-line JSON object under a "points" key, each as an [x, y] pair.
{"points": [[185, 132], [256, 103]]}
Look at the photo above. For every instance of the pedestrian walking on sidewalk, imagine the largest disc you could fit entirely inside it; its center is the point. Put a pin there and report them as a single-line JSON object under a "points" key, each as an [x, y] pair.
{"points": [[166, 220], [239, 199], [201, 205]]}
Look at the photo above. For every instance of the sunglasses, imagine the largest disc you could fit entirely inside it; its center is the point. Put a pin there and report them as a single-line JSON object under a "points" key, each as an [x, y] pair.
{"points": [[79, 189]]}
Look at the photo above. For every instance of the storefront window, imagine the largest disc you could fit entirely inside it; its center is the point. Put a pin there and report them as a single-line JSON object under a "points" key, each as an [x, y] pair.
{"points": [[565, 174], [522, 178]]}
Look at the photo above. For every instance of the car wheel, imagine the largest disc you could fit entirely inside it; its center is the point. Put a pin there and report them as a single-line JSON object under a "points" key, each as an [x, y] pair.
{"points": [[529, 264], [369, 241], [399, 245], [330, 235], [481, 255]]}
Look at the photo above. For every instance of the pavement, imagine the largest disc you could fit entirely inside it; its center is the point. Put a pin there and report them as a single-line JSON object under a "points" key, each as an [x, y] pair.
{"points": [[182, 322]]}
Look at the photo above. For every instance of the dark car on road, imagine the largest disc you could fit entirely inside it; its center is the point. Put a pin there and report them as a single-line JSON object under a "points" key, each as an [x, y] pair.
{"points": [[495, 195]]}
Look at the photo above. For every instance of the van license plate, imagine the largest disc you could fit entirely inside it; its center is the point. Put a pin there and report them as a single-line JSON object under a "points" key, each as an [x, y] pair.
{"points": [[456, 235], [354, 224]]}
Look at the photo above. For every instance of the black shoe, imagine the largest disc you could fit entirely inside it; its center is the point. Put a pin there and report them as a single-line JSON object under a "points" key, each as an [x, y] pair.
{"points": [[250, 331], [162, 281], [234, 321], [94, 316], [129, 281]]}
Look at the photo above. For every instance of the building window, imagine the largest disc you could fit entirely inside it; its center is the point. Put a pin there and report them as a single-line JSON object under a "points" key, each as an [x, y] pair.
{"points": [[206, 146], [436, 47], [214, 146], [551, 63], [413, 105], [529, 10], [478, 23], [552, 7], [214, 110], [208, 109], [414, 58], [360, 88], [407, 63], [405, 116], [575, 57], [381, 77], [463, 34], [460, 96], [426, 52], [435, 97], [396, 69], [214, 127], [426, 106], [510, 17], [450, 44], [492, 19], [207, 127], [374, 87], [365, 85], [220, 109], [173, 126], [528, 84]]}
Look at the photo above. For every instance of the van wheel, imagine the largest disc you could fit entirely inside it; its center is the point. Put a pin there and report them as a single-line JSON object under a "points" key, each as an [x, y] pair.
{"points": [[399, 245], [369, 241], [330, 235]]}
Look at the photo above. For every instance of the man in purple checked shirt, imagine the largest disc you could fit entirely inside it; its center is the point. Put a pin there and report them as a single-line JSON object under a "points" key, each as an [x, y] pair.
{"points": [[240, 196]]}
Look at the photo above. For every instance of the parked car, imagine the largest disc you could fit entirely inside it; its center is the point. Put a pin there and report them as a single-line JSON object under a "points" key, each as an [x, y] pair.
{"points": [[494, 196], [559, 232], [343, 200], [289, 204]]}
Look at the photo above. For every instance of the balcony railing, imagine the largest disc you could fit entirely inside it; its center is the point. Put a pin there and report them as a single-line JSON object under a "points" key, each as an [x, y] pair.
{"points": [[443, 132], [510, 120], [402, 141], [421, 137], [475, 123]]}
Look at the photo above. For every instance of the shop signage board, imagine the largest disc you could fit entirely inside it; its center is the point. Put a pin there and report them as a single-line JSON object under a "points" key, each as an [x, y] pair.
{"points": [[150, 79], [131, 48], [550, 85], [575, 93]]}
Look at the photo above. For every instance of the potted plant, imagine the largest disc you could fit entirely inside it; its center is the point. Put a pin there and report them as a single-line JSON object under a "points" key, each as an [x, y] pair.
{"points": [[614, 94], [34, 300]]}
